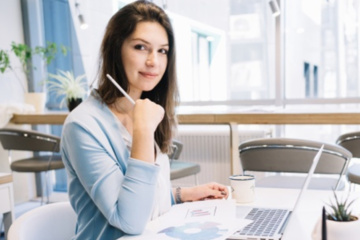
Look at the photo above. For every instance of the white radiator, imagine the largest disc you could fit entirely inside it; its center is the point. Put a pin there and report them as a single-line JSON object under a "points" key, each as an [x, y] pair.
{"points": [[209, 146]]}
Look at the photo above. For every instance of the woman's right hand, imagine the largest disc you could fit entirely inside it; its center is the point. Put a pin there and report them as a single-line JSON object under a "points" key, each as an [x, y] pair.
{"points": [[147, 115]]}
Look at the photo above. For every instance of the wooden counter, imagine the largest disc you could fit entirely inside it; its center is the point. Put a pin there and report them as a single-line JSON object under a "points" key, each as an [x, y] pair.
{"points": [[5, 178], [39, 118], [220, 118]]}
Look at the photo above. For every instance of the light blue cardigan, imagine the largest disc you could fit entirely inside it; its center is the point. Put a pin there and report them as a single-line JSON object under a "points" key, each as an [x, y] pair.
{"points": [[111, 193]]}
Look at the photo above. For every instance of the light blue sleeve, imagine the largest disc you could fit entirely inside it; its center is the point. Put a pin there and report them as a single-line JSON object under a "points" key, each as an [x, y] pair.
{"points": [[122, 188]]}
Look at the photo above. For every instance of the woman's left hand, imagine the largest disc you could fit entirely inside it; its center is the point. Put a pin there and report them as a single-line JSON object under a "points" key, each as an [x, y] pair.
{"points": [[205, 191]]}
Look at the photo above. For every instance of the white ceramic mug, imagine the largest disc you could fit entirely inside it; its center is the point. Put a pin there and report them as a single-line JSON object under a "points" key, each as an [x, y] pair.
{"points": [[243, 188]]}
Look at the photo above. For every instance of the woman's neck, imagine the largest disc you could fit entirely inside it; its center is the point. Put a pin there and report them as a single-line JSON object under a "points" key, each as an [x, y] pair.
{"points": [[123, 105], [123, 110]]}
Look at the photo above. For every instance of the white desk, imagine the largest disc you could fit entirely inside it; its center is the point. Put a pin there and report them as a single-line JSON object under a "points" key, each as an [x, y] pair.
{"points": [[6, 200], [301, 226], [308, 213]]}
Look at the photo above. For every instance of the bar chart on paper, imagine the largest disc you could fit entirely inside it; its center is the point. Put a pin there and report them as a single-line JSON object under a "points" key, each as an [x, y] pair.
{"points": [[201, 212]]}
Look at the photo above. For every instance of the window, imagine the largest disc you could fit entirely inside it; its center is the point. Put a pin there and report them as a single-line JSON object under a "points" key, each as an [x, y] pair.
{"points": [[229, 63], [201, 62], [321, 37], [316, 38], [251, 49], [201, 58]]}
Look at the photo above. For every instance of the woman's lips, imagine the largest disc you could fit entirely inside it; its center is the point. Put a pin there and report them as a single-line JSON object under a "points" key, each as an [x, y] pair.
{"points": [[149, 75]]}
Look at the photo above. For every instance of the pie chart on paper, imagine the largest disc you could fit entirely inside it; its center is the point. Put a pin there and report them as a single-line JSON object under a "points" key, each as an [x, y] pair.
{"points": [[195, 231]]}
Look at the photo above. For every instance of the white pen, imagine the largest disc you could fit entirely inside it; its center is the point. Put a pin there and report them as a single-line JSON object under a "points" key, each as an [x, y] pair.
{"points": [[120, 88]]}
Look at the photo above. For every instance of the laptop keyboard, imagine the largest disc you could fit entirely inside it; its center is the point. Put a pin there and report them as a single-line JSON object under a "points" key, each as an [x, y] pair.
{"points": [[265, 222]]}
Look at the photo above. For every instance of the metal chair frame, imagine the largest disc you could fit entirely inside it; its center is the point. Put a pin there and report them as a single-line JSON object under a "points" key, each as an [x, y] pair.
{"points": [[177, 147], [301, 145], [351, 142], [36, 142]]}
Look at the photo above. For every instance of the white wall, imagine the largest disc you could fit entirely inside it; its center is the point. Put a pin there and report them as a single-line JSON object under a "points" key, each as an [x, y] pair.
{"points": [[96, 14], [11, 30], [214, 14]]}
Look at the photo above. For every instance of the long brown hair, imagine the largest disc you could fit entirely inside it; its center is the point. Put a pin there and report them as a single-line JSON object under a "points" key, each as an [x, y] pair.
{"points": [[121, 26]]}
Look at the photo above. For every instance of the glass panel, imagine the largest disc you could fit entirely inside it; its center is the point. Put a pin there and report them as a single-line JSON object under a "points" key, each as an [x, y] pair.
{"points": [[250, 48], [321, 49], [201, 60], [224, 56]]}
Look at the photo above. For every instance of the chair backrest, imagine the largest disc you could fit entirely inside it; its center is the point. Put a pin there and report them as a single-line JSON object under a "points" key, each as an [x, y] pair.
{"points": [[292, 155], [177, 147], [350, 141], [56, 221], [26, 140]]}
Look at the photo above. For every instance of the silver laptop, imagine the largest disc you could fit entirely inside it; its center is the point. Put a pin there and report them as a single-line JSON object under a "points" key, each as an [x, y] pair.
{"points": [[270, 223]]}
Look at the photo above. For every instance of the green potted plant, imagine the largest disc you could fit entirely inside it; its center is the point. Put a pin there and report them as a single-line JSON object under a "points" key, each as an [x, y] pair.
{"points": [[341, 223], [4, 61], [25, 54], [341, 210], [72, 89]]}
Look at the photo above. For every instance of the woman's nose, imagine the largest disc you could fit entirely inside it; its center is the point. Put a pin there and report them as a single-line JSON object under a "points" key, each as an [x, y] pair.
{"points": [[151, 59]]}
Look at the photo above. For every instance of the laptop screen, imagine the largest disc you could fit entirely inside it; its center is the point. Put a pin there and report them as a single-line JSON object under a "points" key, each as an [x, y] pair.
{"points": [[303, 189]]}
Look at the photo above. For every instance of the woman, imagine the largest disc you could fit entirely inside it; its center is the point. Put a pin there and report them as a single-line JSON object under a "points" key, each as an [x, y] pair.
{"points": [[115, 152]]}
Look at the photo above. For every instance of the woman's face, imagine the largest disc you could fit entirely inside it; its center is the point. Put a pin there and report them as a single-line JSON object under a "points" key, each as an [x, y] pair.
{"points": [[144, 55]]}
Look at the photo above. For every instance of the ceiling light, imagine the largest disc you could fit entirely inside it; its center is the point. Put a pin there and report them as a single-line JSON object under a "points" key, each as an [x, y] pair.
{"points": [[83, 24], [275, 9]]}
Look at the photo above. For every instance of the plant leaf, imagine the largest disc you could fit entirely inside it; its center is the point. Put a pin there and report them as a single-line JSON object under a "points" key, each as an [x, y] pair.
{"points": [[66, 85]]}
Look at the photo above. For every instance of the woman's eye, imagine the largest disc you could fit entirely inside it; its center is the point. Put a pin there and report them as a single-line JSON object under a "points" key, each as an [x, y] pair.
{"points": [[140, 47], [163, 51]]}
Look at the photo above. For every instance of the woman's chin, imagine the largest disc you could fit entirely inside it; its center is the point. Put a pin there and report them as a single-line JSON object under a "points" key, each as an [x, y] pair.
{"points": [[148, 88]]}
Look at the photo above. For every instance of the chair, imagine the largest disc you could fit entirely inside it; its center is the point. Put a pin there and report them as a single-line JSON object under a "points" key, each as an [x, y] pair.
{"points": [[56, 221], [285, 155], [351, 141], [180, 169], [26, 140]]}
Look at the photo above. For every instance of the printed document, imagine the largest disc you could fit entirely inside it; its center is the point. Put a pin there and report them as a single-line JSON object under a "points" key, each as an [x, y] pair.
{"points": [[211, 220]]}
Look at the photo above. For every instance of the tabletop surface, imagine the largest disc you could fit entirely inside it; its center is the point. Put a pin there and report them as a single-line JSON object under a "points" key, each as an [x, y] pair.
{"points": [[301, 223], [309, 211]]}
